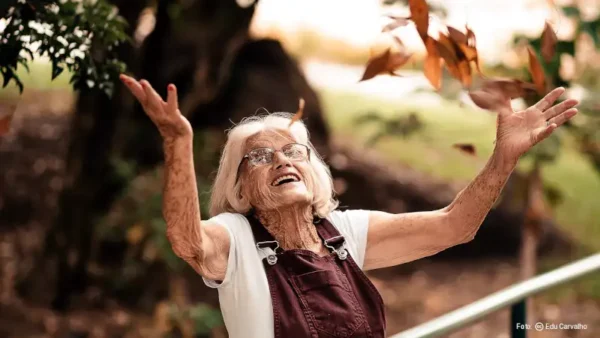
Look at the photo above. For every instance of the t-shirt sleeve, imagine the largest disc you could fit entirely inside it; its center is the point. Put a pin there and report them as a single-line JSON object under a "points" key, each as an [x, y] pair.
{"points": [[230, 222], [354, 226]]}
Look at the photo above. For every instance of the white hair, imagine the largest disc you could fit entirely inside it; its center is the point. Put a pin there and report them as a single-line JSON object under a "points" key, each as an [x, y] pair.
{"points": [[225, 194]]}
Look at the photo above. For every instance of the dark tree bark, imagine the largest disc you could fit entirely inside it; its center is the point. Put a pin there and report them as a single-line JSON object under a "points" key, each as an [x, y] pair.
{"points": [[91, 181]]}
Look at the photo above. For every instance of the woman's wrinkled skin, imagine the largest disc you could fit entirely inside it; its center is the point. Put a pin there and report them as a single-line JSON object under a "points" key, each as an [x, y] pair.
{"points": [[284, 210]]}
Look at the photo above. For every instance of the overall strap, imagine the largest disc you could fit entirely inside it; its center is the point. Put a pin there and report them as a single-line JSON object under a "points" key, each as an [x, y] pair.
{"points": [[264, 239], [331, 237], [258, 230]]}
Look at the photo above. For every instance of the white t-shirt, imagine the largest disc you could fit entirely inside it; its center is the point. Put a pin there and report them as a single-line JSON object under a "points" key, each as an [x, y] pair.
{"points": [[244, 293]]}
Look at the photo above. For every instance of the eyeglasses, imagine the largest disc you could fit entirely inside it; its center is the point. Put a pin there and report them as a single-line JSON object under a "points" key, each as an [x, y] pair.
{"points": [[264, 156]]}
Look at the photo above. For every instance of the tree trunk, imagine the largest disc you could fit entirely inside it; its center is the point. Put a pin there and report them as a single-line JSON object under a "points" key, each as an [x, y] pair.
{"points": [[91, 182]]}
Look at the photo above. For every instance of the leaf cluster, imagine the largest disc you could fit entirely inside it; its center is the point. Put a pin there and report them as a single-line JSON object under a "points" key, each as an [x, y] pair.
{"points": [[80, 36]]}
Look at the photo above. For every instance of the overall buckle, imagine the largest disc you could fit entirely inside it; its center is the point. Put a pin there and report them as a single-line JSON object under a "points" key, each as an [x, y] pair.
{"points": [[271, 258], [340, 250]]}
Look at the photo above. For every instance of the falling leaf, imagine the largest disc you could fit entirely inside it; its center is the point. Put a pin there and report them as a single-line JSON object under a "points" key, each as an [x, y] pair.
{"points": [[537, 72], [494, 94], [299, 113], [466, 45], [457, 36], [385, 63], [419, 14], [6, 114], [5, 124], [432, 67], [398, 41], [447, 49], [511, 88], [465, 73], [398, 22], [466, 148], [549, 40]]}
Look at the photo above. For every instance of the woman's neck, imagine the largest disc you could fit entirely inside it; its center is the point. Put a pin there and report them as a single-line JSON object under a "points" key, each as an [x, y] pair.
{"points": [[292, 227]]}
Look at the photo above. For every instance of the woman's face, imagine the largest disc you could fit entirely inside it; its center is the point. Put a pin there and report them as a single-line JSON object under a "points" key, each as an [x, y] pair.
{"points": [[263, 184]]}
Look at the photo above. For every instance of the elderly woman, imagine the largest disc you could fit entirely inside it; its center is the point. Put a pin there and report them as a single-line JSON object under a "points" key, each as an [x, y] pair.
{"points": [[285, 262]]}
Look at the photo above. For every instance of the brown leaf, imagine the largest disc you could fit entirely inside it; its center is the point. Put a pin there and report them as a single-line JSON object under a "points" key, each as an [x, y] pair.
{"points": [[384, 63], [299, 113], [465, 73], [494, 93], [419, 14], [6, 115], [397, 60], [511, 88], [447, 49], [457, 36], [5, 124], [398, 22], [466, 148], [549, 40], [537, 72], [398, 41], [432, 67]]}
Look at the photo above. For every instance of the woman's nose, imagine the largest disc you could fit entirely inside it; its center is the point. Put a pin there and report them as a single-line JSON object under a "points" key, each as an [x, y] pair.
{"points": [[280, 160]]}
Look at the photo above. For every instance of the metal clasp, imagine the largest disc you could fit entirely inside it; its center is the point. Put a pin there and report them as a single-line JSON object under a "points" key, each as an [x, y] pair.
{"points": [[341, 251], [271, 258]]}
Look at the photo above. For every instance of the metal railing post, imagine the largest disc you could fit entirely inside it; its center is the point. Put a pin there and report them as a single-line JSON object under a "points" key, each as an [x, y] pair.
{"points": [[513, 294], [518, 319]]}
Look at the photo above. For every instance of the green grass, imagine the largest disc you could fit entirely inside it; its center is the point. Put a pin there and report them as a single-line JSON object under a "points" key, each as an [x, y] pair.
{"points": [[431, 151]]}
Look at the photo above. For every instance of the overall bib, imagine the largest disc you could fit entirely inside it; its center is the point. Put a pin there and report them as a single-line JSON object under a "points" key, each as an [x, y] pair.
{"points": [[317, 296]]}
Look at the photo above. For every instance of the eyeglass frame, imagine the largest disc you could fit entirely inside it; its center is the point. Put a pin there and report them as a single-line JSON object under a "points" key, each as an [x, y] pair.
{"points": [[247, 156]]}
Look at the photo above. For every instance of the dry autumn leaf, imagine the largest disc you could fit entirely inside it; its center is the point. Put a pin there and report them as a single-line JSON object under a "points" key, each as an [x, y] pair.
{"points": [[537, 72], [419, 14], [299, 113], [457, 36], [511, 88], [465, 148], [465, 73], [6, 115], [384, 63], [432, 67], [398, 22], [549, 40]]}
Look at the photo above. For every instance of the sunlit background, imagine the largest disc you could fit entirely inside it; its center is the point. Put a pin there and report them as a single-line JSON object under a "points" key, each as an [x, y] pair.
{"points": [[398, 124]]}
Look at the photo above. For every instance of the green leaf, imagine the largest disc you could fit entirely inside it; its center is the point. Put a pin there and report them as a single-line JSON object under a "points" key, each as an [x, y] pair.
{"points": [[56, 70], [591, 28], [565, 47], [571, 11]]}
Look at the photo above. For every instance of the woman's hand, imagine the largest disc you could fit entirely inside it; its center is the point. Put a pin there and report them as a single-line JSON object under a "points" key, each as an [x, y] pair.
{"points": [[165, 115], [519, 131]]}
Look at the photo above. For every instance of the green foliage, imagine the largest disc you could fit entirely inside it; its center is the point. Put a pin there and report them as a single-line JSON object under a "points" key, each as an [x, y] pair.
{"points": [[401, 126], [80, 36]]}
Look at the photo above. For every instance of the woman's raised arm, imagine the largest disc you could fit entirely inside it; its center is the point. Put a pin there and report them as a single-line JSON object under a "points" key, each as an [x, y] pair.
{"points": [[204, 246], [395, 239]]}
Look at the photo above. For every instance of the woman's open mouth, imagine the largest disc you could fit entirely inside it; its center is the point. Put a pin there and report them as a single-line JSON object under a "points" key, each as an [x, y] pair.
{"points": [[283, 179]]}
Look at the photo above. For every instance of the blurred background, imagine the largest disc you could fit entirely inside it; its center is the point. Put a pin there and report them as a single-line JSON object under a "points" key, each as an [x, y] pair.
{"points": [[83, 251]]}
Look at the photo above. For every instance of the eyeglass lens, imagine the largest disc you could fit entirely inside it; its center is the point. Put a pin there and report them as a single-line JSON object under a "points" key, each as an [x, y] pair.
{"points": [[265, 155]]}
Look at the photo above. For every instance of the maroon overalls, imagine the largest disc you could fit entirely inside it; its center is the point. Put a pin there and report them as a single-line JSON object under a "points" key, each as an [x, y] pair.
{"points": [[317, 296]]}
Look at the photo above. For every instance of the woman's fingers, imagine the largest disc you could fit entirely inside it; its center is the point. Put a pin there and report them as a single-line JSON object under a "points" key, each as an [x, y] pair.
{"points": [[172, 101], [154, 101], [564, 117], [549, 99], [559, 108], [134, 87], [542, 132]]}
